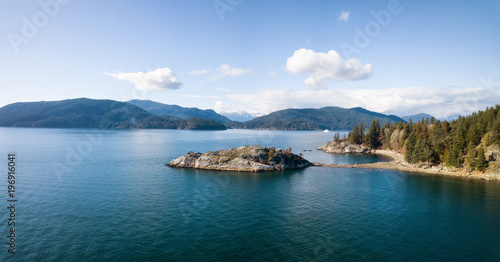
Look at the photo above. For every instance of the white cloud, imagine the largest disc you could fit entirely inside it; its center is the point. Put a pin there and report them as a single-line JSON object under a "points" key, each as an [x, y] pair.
{"points": [[223, 89], [439, 102], [272, 73], [159, 79], [199, 72], [321, 66], [226, 70], [220, 107], [344, 16]]}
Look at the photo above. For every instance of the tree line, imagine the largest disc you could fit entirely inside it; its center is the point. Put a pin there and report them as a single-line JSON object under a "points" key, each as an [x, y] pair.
{"points": [[456, 143]]}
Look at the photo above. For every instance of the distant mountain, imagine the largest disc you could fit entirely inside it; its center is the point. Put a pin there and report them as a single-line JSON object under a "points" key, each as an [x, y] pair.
{"points": [[156, 108], [240, 116], [452, 117], [333, 118], [417, 117], [91, 113]]}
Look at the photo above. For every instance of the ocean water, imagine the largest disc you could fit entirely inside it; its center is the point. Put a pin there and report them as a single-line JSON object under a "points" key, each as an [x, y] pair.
{"points": [[106, 195]]}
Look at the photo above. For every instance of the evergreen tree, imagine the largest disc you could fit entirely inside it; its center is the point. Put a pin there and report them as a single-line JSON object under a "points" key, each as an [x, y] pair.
{"points": [[410, 148], [372, 138], [361, 133], [454, 157], [355, 136], [481, 163], [471, 156], [336, 137]]}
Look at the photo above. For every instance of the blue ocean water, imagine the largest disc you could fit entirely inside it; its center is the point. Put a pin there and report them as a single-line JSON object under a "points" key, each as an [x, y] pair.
{"points": [[106, 195]]}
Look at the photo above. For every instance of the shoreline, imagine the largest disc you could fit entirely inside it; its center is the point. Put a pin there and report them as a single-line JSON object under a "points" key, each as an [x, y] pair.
{"points": [[399, 164]]}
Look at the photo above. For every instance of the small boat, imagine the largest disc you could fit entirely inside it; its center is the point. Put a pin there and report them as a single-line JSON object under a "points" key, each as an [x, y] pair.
{"points": [[326, 131]]}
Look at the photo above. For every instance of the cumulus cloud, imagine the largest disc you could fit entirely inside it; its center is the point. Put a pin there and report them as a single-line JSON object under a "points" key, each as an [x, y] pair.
{"points": [[321, 66], [272, 73], [199, 72], [226, 70], [220, 107], [439, 102], [159, 79], [344, 16]]}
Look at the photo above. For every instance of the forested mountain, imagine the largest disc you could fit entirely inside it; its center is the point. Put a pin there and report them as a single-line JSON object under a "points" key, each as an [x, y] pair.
{"points": [[156, 108], [472, 141], [91, 113], [333, 118]]}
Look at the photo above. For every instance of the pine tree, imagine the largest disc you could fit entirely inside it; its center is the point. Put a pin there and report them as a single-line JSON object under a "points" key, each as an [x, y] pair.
{"points": [[336, 137], [355, 136], [481, 163], [471, 156], [410, 148], [454, 157], [372, 138]]}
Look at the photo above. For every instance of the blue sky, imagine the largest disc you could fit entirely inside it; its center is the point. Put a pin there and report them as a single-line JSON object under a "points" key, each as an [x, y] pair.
{"points": [[401, 57]]}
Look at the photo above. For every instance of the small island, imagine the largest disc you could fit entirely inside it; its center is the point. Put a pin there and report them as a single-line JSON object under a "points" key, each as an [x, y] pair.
{"points": [[245, 158]]}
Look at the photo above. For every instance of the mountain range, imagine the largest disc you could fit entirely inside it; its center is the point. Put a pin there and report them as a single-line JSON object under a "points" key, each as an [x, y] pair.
{"points": [[92, 113], [417, 117], [240, 116], [333, 118], [156, 108]]}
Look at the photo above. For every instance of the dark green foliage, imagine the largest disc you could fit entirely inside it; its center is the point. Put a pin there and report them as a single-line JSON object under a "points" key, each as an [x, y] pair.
{"points": [[430, 140], [355, 137], [481, 163], [410, 147], [454, 157], [372, 138], [197, 123], [178, 111], [471, 156], [332, 118]]}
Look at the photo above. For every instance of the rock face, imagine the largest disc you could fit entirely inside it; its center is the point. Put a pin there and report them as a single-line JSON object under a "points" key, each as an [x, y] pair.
{"points": [[247, 158], [344, 147], [492, 153]]}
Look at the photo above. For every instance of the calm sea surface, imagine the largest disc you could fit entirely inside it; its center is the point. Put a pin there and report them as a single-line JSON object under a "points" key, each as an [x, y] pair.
{"points": [[91, 195]]}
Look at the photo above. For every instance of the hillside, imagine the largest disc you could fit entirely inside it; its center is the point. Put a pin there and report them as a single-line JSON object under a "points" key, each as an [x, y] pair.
{"points": [[417, 117], [91, 113], [156, 108], [333, 118], [470, 143]]}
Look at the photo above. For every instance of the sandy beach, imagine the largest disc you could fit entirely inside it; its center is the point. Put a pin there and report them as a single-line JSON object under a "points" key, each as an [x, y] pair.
{"points": [[398, 163]]}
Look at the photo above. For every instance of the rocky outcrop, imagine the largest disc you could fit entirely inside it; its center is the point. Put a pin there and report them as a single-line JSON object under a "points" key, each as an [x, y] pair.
{"points": [[344, 147], [247, 158], [492, 153]]}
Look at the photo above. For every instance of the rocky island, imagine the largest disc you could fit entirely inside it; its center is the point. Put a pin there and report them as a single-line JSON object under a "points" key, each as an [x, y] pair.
{"points": [[245, 158]]}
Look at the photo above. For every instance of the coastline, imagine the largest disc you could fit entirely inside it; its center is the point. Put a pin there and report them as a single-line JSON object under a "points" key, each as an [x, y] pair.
{"points": [[399, 164]]}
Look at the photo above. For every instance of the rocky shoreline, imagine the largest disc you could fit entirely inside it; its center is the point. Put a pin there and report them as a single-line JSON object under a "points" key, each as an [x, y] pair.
{"points": [[246, 158], [398, 163], [260, 159]]}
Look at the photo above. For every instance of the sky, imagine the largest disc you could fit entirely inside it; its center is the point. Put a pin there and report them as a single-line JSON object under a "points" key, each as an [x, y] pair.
{"points": [[398, 57]]}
